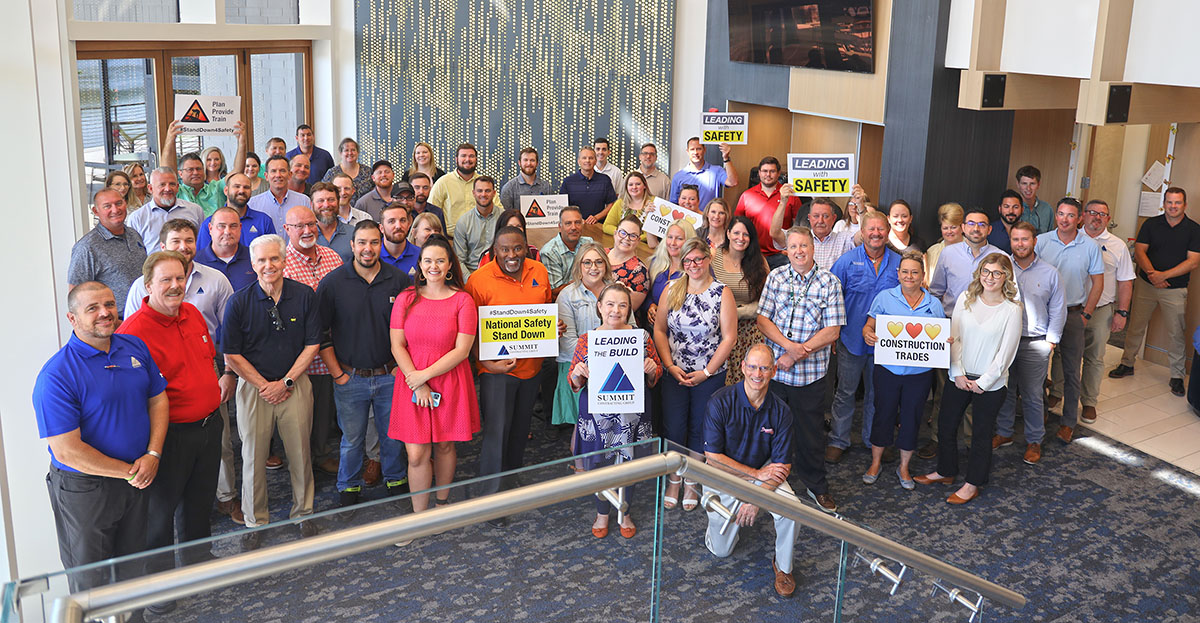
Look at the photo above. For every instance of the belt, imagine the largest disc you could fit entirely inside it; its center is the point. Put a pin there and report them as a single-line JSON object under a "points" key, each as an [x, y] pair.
{"points": [[201, 422], [369, 372], [1033, 337], [1075, 308]]}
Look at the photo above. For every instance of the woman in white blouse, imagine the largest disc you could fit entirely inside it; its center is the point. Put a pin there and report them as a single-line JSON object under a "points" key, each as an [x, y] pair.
{"points": [[985, 331]]}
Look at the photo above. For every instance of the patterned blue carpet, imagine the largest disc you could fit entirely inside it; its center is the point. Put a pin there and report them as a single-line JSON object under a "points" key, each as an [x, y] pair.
{"points": [[1096, 532]]}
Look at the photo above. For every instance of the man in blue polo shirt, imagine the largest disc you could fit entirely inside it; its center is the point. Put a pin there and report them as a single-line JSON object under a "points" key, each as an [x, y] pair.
{"points": [[101, 405], [396, 249], [1010, 213], [748, 429], [589, 189], [319, 160], [710, 178], [226, 252], [271, 334], [237, 197], [864, 271]]}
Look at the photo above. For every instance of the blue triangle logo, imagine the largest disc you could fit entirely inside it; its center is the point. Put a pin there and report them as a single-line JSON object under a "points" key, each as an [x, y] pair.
{"points": [[503, 351], [535, 283], [200, 290], [617, 382]]}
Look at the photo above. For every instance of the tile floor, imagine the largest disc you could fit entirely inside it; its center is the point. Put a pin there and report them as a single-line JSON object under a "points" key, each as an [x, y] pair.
{"points": [[1141, 412]]}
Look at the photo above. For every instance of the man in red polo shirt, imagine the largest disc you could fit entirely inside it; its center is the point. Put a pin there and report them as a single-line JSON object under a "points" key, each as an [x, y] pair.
{"points": [[507, 387], [760, 202], [179, 342]]}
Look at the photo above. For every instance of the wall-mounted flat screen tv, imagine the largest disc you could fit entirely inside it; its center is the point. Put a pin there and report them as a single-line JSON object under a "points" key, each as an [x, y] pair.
{"points": [[818, 34]]}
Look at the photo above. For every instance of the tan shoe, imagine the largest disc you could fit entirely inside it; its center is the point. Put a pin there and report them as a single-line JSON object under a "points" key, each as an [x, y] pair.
{"points": [[373, 474], [1064, 434], [1000, 442], [1088, 416], [785, 584], [1033, 453], [833, 454]]}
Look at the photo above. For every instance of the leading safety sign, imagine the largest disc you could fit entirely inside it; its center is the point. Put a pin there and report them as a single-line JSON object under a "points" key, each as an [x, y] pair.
{"points": [[822, 175], [724, 127]]}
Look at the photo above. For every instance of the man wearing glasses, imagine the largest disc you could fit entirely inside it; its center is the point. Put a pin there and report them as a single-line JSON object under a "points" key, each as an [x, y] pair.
{"points": [[271, 334], [658, 182], [1081, 274], [956, 266]]}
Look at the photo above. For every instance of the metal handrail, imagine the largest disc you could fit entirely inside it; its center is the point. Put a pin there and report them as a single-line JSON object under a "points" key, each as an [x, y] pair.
{"points": [[177, 583]]}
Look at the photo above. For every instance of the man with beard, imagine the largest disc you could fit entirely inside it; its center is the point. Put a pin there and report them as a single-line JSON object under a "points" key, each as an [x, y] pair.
{"points": [[421, 185], [309, 263], [476, 227], [163, 206], [588, 189], [110, 253], [958, 261], [347, 213], [356, 306], [278, 199], [300, 169], [526, 182], [331, 231], [384, 193], [253, 222], [182, 347], [765, 204], [710, 178], [396, 249], [192, 187], [454, 193], [864, 271], [507, 387], [1045, 315], [1010, 213], [101, 405]]}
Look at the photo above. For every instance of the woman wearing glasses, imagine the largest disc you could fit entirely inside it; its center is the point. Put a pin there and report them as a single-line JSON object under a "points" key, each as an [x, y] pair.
{"points": [[695, 331], [985, 329], [627, 267], [577, 310]]}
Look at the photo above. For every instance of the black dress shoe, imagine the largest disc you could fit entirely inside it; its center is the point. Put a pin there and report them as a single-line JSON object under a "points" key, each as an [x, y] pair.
{"points": [[161, 608], [1177, 387], [1121, 371]]}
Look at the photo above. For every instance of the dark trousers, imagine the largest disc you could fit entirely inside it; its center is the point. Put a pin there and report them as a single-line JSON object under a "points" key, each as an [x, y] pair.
{"points": [[1070, 348], [684, 409], [985, 406], [547, 381], [899, 397], [97, 518], [187, 482], [506, 405], [1193, 390], [809, 431], [324, 421]]}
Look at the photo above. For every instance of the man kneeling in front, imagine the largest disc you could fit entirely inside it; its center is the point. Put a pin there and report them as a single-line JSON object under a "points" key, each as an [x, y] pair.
{"points": [[749, 429]]}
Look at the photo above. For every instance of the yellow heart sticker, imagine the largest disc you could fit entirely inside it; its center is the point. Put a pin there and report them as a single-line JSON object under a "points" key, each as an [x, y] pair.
{"points": [[664, 210], [895, 328], [932, 330]]}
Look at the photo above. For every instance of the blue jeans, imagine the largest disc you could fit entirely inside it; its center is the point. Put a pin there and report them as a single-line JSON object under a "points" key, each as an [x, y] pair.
{"points": [[355, 400], [851, 368]]}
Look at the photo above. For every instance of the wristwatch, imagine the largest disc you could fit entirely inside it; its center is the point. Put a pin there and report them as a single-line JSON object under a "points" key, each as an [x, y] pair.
{"points": [[1086, 316], [288, 382], [1122, 313]]}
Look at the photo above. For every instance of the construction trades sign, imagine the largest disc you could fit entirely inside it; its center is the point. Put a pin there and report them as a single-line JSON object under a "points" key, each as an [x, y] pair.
{"points": [[542, 210], [207, 114], [913, 341], [663, 213], [724, 127], [518, 331], [616, 371], [822, 175]]}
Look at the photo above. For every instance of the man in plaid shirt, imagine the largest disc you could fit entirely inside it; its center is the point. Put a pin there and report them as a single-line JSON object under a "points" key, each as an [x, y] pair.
{"points": [[308, 263], [801, 313]]}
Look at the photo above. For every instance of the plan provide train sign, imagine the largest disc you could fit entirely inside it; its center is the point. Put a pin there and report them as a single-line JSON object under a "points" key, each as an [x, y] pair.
{"points": [[725, 127], [821, 175], [912, 341]]}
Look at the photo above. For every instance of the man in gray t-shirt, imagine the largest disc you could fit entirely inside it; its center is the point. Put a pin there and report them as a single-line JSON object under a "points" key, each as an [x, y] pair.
{"points": [[110, 253]]}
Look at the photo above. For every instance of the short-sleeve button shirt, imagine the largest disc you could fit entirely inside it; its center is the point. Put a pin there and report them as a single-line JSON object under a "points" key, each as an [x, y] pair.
{"points": [[802, 305]]}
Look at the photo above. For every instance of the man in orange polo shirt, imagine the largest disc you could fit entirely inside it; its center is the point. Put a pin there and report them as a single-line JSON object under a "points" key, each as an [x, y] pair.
{"points": [[507, 387], [178, 338]]}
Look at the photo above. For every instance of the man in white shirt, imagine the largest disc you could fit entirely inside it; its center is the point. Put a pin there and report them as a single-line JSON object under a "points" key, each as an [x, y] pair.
{"points": [[604, 166]]}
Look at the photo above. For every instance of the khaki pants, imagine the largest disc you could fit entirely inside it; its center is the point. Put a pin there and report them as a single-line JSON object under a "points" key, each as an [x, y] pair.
{"points": [[1095, 340], [1171, 303], [257, 419]]}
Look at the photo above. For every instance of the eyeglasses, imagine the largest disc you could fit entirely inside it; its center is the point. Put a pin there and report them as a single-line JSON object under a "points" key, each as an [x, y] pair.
{"points": [[975, 224], [1096, 213], [993, 274], [763, 369], [308, 225], [693, 261], [621, 233], [276, 321], [591, 263]]}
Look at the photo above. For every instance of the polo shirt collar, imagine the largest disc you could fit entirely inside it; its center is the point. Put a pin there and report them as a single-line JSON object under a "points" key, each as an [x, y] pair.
{"points": [[742, 400], [85, 350], [526, 268], [1072, 243], [158, 316], [898, 293], [262, 294], [764, 193], [108, 235]]}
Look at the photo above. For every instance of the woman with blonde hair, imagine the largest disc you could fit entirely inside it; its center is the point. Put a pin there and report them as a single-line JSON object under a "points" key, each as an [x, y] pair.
{"points": [[950, 217], [214, 164], [423, 162], [695, 330], [635, 199], [715, 224], [139, 190], [985, 330], [424, 226], [577, 310], [665, 263]]}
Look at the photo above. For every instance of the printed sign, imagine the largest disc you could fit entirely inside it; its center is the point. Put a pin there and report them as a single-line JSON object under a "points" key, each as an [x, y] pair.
{"points": [[822, 175], [660, 217], [724, 127], [207, 114], [617, 378], [518, 331], [913, 341], [542, 210]]}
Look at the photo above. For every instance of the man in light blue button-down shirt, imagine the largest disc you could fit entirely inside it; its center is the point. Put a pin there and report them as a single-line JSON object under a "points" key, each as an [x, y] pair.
{"points": [[1045, 315], [956, 266], [1081, 275]]}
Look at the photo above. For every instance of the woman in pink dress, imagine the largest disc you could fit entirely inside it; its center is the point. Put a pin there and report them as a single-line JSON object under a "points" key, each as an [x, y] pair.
{"points": [[436, 405]]}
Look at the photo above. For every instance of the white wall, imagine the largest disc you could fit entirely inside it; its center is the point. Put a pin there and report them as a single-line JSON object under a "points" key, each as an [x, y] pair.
{"points": [[1050, 38], [691, 17], [958, 34], [1163, 46]]}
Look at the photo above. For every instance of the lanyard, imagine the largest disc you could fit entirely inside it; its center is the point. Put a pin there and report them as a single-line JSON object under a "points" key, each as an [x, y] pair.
{"points": [[797, 300]]}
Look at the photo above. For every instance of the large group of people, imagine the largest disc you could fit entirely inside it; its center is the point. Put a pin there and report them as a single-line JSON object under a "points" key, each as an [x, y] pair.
{"points": [[334, 309]]}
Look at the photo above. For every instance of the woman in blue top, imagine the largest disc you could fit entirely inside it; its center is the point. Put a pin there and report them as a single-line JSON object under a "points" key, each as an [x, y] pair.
{"points": [[577, 310], [900, 391], [664, 264]]}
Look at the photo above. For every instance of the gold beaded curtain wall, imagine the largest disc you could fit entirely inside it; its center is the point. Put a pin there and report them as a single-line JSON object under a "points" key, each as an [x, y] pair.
{"points": [[506, 74]]}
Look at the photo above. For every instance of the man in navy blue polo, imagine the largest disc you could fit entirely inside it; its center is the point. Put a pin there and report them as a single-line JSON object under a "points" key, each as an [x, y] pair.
{"points": [[748, 429], [225, 251], [320, 160], [101, 404], [589, 189], [237, 197], [271, 334]]}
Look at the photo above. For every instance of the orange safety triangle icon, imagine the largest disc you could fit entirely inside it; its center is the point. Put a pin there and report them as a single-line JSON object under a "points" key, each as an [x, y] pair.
{"points": [[534, 210], [195, 114]]}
